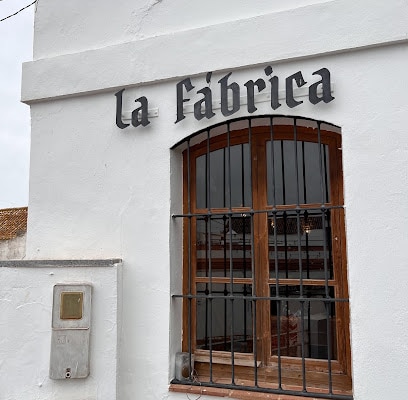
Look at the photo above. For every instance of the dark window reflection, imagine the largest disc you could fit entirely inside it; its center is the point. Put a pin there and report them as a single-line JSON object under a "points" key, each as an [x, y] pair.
{"points": [[224, 246], [300, 245], [223, 323], [319, 328]]}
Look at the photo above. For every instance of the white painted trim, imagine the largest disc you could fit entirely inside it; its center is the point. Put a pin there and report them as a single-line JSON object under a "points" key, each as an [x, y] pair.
{"points": [[342, 25], [112, 262]]}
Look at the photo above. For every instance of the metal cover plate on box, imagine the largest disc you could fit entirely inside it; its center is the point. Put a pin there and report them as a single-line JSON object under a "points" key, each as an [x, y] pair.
{"points": [[72, 306]]}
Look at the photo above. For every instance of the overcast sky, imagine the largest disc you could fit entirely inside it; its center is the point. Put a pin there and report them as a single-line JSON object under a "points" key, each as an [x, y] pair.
{"points": [[16, 38]]}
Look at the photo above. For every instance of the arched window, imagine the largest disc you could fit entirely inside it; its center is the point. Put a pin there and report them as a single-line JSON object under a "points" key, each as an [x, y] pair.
{"points": [[265, 298]]}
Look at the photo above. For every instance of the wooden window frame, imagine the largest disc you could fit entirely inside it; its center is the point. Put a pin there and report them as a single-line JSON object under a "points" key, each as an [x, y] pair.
{"points": [[221, 361]]}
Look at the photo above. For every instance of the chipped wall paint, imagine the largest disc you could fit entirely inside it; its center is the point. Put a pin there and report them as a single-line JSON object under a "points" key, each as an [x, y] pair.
{"points": [[97, 191], [13, 249]]}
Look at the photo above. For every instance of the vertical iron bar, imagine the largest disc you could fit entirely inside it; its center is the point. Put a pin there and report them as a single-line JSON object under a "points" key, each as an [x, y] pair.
{"points": [[284, 214], [225, 285], [304, 173], [278, 317], [307, 223], [243, 174], [254, 342], [325, 174], [224, 204], [299, 239], [295, 141], [285, 220], [250, 157], [253, 266], [205, 219], [326, 273], [319, 143], [243, 234], [295, 144], [285, 238], [224, 197], [327, 294], [329, 345], [283, 174], [209, 250], [230, 253], [189, 303], [302, 323], [272, 138], [275, 240]]}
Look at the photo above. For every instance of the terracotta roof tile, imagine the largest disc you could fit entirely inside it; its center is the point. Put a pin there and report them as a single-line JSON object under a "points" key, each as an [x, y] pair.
{"points": [[13, 222]]}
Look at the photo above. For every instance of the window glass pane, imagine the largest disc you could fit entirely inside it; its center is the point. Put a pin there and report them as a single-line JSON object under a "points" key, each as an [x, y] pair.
{"points": [[224, 245], [211, 177], [240, 176], [313, 258], [201, 181], [289, 172], [311, 183], [223, 322], [312, 189], [217, 179], [274, 172], [224, 190], [318, 317]]}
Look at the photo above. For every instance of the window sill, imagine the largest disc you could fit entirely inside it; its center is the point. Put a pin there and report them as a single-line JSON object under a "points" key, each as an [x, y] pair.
{"points": [[236, 394]]}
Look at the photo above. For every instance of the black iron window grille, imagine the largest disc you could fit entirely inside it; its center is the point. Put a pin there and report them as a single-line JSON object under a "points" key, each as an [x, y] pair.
{"points": [[265, 298]]}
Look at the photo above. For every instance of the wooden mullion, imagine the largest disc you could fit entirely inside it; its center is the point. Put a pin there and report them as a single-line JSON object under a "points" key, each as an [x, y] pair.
{"points": [[291, 207], [339, 258], [306, 282], [184, 339], [222, 211], [224, 280], [193, 256], [342, 309], [261, 247]]}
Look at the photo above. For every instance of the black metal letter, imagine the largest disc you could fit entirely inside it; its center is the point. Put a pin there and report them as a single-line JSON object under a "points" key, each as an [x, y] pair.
{"points": [[120, 124], [180, 100], [224, 96], [274, 88], [250, 85], [207, 101], [298, 78], [326, 87], [143, 111]]}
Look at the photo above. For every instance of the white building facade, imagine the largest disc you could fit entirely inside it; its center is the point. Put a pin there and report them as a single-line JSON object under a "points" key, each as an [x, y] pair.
{"points": [[311, 94]]}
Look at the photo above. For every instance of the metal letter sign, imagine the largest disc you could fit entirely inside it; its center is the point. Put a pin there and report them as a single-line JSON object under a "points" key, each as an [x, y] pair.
{"points": [[229, 93]]}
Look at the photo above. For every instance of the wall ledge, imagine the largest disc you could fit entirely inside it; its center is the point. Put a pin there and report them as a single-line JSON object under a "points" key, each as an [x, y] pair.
{"points": [[321, 29], [111, 262]]}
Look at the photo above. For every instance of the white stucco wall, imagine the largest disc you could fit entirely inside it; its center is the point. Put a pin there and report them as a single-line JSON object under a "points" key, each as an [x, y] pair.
{"points": [[25, 326], [13, 249], [68, 28], [97, 191]]}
